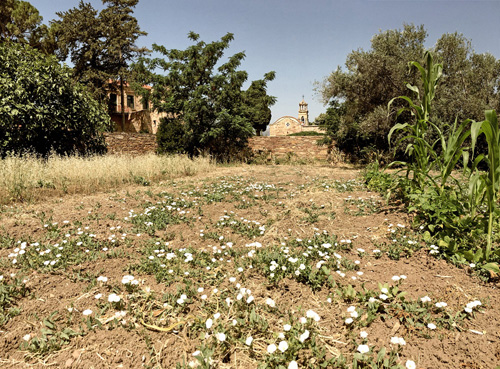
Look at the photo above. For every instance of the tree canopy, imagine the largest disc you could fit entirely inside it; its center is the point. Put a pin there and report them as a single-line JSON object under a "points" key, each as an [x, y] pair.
{"points": [[101, 45], [203, 98], [42, 110], [372, 78]]}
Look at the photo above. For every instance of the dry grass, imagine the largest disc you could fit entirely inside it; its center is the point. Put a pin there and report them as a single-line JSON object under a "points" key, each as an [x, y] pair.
{"points": [[27, 178]]}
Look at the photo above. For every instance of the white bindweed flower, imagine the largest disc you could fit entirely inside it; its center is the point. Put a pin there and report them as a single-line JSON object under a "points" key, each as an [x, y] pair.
{"points": [[293, 365], [363, 349], [348, 321], [431, 326], [441, 304], [271, 302], [398, 341], [113, 298], [410, 364], [271, 348], [363, 334], [87, 312], [249, 341], [283, 346], [425, 299], [287, 327], [304, 336], [221, 336], [313, 315], [98, 296], [209, 323]]}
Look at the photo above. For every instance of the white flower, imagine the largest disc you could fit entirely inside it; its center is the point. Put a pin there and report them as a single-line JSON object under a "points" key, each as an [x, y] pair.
{"points": [[363, 334], [304, 336], [293, 365], [216, 315], [348, 321], [398, 341], [113, 298], [271, 348], [431, 326], [249, 341], [383, 297], [410, 364], [303, 320], [287, 327], [363, 349], [313, 315], [27, 337], [209, 323], [98, 296], [425, 299], [271, 302], [221, 336], [102, 279], [395, 278], [283, 346], [250, 299], [87, 312], [441, 304], [384, 290], [127, 279]]}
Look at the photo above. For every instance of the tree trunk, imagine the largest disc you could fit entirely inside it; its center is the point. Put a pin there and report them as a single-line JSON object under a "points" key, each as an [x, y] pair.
{"points": [[123, 103]]}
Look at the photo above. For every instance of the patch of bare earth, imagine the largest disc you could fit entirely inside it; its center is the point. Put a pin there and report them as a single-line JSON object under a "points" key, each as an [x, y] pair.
{"points": [[474, 343]]}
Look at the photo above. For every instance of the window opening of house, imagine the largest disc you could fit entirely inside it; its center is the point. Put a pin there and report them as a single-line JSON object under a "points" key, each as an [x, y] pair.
{"points": [[130, 101]]}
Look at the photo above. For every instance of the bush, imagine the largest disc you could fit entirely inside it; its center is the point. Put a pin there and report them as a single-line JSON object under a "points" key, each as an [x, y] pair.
{"points": [[42, 110], [171, 137]]}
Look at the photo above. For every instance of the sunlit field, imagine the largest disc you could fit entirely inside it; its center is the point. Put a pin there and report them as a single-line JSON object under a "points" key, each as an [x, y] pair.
{"points": [[28, 178], [240, 267]]}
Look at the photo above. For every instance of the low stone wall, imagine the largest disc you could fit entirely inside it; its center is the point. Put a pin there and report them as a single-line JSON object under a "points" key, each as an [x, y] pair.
{"points": [[130, 143], [304, 147]]}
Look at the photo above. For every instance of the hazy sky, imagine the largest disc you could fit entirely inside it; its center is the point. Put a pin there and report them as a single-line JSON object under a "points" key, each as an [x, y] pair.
{"points": [[303, 41]]}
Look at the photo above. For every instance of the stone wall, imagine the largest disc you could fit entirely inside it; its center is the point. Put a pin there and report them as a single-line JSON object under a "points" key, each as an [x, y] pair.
{"points": [[130, 143], [303, 146]]}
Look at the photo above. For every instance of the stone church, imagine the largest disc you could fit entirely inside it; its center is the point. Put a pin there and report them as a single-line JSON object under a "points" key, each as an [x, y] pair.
{"points": [[287, 125]]}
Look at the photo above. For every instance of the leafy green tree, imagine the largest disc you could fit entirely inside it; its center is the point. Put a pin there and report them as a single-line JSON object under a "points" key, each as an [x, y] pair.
{"points": [[205, 104], [371, 79], [21, 22], [101, 45], [42, 110], [469, 86], [258, 103]]}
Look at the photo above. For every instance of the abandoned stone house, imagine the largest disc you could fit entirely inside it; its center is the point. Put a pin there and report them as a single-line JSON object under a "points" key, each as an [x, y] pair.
{"points": [[138, 118], [287, 125]]}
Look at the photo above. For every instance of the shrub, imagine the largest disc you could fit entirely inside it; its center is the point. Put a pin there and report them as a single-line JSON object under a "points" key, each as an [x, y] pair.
{"points": [[42, 110]]}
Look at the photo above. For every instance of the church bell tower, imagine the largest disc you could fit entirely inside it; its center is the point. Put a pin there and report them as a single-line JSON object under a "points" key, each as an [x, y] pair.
{"points": [[303, 113]]}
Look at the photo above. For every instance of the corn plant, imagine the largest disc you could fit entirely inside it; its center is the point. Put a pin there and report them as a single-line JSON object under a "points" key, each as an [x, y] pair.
{"points": [[486, 185], [420, 151]]}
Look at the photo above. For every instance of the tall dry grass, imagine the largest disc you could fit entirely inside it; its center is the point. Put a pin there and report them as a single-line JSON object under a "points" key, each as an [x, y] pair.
{"points": [[28, 178]]}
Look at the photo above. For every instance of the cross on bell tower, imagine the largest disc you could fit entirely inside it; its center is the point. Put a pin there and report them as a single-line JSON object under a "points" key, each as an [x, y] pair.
{"points": [[303, 112]]}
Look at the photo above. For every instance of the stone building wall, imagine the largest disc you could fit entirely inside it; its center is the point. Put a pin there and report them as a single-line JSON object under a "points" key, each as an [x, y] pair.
{"points": [[130, 143]]}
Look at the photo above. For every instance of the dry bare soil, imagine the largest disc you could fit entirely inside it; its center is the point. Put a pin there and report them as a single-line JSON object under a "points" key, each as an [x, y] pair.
{"points": [[267, 252]]}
